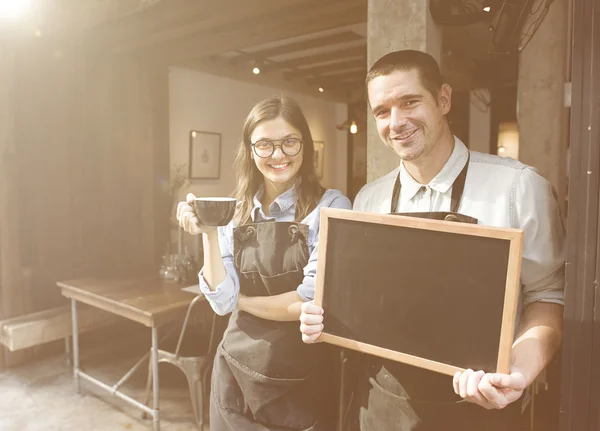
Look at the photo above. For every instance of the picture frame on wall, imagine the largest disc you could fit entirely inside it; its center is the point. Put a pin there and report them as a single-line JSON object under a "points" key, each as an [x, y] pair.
{"points": [[319, 157], [205, 155]]}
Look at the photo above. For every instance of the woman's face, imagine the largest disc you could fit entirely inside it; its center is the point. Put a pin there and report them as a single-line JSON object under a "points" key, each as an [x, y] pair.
{"points": [[277, 151]]}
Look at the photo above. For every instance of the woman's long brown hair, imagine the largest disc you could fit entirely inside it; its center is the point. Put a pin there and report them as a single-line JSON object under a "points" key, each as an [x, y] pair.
{"points": [[308, 190]]}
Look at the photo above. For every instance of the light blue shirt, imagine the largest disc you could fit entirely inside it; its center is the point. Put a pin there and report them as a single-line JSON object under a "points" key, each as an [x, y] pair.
{"points": [[223, 299]]}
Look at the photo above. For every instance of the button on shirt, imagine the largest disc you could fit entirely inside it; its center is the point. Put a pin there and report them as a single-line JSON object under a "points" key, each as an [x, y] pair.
{"points": [[223, 299], [499, 192]]}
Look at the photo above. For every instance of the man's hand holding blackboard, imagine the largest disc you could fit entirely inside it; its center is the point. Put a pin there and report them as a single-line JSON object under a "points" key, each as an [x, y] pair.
{"points": [[491, 390], [311, 322]]}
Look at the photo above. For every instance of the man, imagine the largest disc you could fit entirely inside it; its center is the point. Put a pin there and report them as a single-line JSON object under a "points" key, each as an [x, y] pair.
{"points": [[409, 102]]}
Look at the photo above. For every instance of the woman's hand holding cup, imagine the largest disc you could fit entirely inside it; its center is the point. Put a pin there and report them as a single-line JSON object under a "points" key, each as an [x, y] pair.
{"points": [[187, 217]]}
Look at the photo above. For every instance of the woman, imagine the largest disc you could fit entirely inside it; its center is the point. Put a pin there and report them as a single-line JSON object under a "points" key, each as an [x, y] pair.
{"points": [[264, 375]]}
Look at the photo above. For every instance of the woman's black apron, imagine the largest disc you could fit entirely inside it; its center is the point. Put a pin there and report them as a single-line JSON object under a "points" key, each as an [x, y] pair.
{"points": [[391, 396], [264, 376]]}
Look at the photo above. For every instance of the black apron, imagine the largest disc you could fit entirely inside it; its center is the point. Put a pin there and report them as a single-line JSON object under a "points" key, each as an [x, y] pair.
{"points": [[394, 396], [264, 375]]}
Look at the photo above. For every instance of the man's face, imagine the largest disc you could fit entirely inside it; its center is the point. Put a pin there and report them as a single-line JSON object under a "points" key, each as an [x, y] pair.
{"points": [[409, 119]]}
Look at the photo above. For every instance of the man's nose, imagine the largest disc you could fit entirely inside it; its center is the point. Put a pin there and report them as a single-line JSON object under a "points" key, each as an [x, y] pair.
{"points": [[398, 119]]}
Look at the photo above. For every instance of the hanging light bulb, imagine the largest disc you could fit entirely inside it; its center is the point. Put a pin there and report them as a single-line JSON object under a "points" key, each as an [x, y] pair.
{"points": [[353, 128], [321, 89], [256, 70], [487, 9]]}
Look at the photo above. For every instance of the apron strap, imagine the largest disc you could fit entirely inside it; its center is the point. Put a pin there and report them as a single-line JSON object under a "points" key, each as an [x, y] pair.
{"points": [[457, 189]]}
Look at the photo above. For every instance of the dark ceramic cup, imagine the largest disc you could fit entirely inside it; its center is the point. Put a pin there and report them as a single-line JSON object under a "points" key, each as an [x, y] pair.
{"points": [[214, 211]]}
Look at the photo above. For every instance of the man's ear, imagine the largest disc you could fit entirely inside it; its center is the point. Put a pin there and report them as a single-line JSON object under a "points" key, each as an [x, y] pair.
{"points": [[445, 98]]}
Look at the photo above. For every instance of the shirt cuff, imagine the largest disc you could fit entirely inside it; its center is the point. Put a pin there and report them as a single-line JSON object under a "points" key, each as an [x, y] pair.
{"points": [[553, 293], [223, 299], [306, 290]]}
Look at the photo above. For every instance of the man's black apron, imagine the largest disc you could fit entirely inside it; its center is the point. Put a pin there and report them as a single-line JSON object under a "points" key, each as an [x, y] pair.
{"points": [[399, 397], [264, 375]]}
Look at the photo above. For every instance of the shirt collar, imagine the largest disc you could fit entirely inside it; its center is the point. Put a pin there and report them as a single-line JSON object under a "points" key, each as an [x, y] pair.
{"points": [[284, 200], [443, 180]]}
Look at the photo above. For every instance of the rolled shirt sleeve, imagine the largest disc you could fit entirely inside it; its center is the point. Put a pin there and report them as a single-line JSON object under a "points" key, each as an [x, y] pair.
{"points": [[306, 290], [543, 263], [223, 299]]}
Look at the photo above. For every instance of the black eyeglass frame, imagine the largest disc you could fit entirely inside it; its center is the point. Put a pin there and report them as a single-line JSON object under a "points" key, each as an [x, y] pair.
{"points": [[273, 146]]}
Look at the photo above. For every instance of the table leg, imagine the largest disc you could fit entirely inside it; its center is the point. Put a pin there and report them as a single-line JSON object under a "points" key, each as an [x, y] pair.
{"points": [[75, 345], [154, 359], [68, 351]]}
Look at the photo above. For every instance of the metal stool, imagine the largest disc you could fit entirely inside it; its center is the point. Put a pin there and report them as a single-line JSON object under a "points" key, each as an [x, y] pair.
{"points": [[195, 368]]}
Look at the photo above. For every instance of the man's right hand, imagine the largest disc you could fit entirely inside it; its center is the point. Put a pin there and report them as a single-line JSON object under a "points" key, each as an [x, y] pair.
{"points": [[311, 322], [187, 218]]}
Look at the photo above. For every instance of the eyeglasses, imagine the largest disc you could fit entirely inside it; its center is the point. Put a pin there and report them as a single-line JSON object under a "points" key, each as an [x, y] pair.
{"points": [[289, 146]]}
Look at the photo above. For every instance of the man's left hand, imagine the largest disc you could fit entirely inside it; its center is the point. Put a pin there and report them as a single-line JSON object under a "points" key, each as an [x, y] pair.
{"points": [[491, 390]]}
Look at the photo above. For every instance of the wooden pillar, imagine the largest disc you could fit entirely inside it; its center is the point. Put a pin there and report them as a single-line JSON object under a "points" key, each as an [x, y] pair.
{"points": [[395, 25], [10, 266], [9, 215], [541, 114], [580, 386], [83, 139]]}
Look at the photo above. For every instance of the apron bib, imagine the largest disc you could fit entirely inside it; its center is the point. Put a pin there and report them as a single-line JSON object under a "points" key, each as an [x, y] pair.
{"points": [[264, 375]]}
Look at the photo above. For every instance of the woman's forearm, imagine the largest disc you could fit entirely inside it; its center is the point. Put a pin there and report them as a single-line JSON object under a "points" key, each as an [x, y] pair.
{"points": [[284, 307], [214, 270]]}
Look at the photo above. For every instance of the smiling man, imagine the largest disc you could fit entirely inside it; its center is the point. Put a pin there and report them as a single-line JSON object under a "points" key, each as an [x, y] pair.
{"points": [[437, 174]]}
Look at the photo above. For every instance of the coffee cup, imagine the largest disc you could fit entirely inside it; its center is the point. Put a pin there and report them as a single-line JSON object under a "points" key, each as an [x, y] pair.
{"points": [[214, 211]]}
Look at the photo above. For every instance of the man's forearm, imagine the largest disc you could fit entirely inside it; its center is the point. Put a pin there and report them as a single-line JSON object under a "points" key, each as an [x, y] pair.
{"points": [[284, 307], [538, 338]]}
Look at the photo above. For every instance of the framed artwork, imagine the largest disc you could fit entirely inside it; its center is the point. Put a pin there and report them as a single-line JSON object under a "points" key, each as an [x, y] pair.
{"points": [[439, 295], [205, 155], [319, 157]]}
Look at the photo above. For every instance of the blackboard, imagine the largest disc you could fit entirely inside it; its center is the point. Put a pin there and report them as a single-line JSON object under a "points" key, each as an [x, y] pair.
{"points": [[436, 294]]}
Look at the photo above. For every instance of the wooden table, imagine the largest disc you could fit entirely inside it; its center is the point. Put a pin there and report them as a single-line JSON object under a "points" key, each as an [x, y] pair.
{"points": [[150, 302]]}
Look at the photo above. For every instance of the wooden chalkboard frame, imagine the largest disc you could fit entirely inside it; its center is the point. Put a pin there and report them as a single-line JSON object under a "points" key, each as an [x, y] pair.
{"points": [[511, 296]]}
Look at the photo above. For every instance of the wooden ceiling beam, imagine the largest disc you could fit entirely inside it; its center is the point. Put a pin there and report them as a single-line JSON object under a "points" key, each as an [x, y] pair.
{"points": [[166, 15], [275, 80], [358, 51], [317, 42], [183, 19], [68, 21], [324, 81], [101, 12], [328, 68], [350, 90], [300, 19]]}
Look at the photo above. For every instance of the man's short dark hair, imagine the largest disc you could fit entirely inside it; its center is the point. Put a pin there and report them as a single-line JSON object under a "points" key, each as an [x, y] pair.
{"points": [[405, 60]]}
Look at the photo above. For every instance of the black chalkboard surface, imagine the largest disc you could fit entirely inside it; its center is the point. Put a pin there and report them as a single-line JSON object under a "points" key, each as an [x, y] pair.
{"points": [[435, 294]]}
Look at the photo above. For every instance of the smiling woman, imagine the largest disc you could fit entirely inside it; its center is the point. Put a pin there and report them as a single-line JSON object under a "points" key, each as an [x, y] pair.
{"points": [[260, 268], [276, 118], [278, 159]]}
